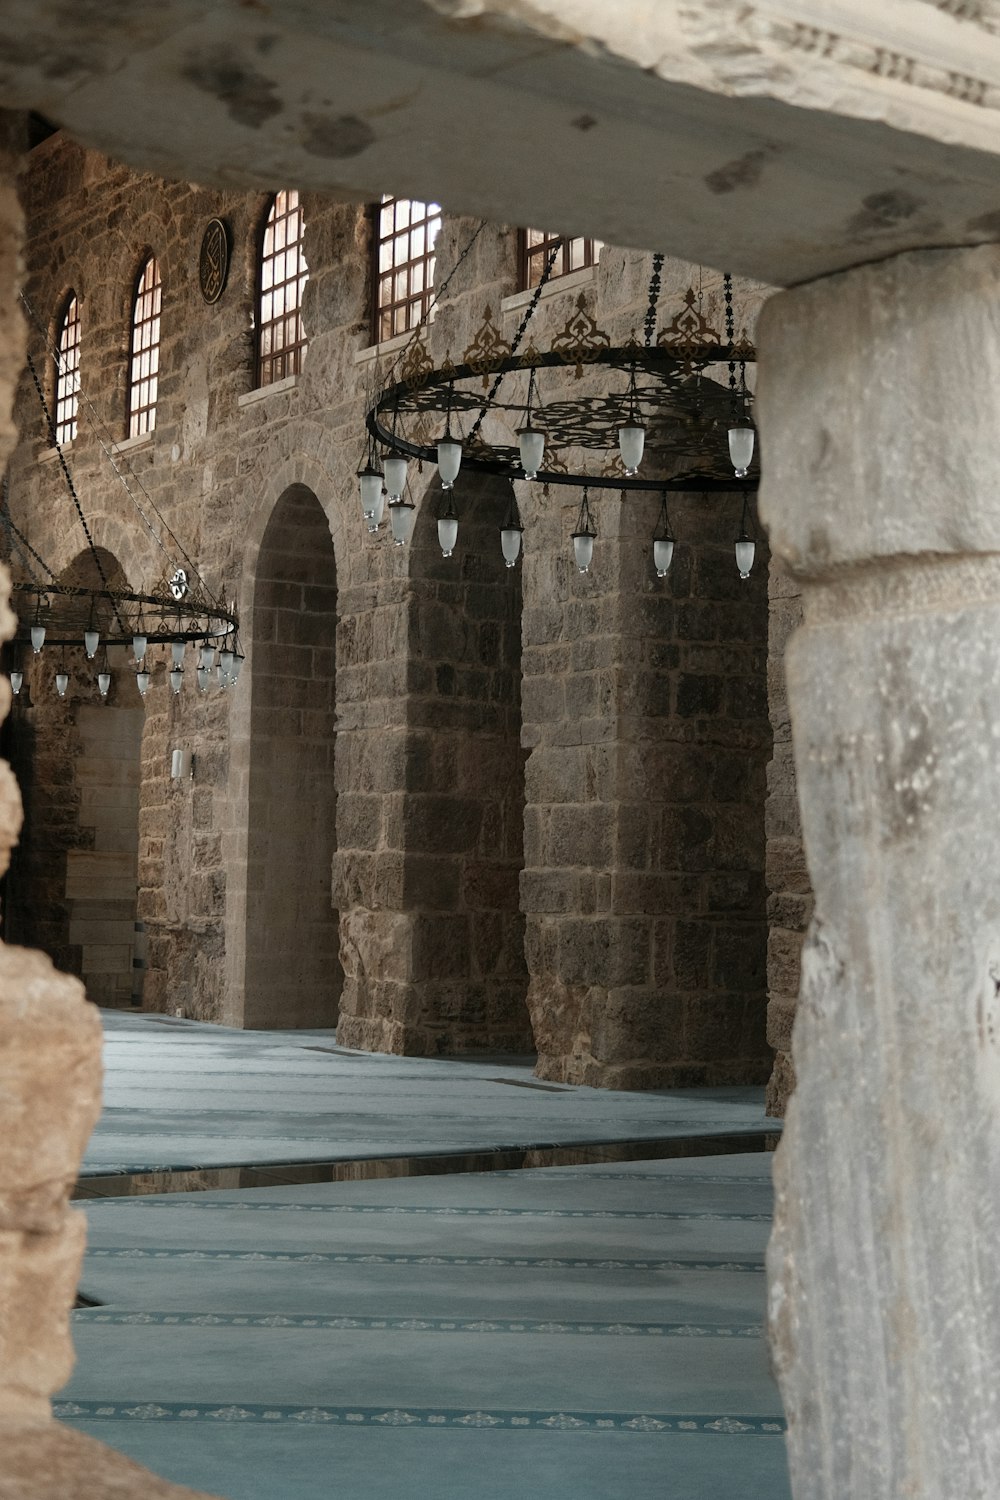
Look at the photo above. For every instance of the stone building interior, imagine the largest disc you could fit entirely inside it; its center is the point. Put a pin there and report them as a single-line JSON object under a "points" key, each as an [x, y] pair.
{"points": [[499, 751]]}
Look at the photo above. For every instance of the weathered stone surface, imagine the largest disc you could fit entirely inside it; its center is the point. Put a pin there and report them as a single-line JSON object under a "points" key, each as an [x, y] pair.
{"points": [[884, 1311], [756, 105], [49, 1462]]}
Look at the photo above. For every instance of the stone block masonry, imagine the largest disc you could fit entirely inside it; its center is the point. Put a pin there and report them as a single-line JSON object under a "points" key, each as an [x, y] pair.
{"points": [[450, 806]]}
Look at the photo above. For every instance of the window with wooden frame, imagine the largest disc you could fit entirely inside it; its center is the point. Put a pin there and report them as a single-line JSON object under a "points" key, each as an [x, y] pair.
{"points": [[536, 245], [281, 339], [144, 357], [405, 232], [67, 381]]}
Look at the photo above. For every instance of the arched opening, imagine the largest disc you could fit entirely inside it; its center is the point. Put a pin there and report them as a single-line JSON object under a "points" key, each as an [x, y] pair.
{"points": [[292, 975], [74, 878]]}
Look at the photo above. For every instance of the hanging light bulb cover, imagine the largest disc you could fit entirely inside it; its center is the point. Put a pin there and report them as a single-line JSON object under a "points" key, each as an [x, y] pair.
{"points": [[370, 482], [632, 434], [511, 533], [177, 652], [62, 682], [91, 641], [741, 445], [16, 679], [395, 476], [139, 645], [37, 638], [204, 678], [177, 679], [663, 541], [402, 514], [449, 448], [238, 660], [226, 659], [142, 682], [103, 682], [448, 528], [583, 536], [206, 655], [531, 444], [746, 542]]}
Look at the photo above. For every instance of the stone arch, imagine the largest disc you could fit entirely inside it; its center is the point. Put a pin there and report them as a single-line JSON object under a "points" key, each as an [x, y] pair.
{"points": [[74, 880], [282, 932]]}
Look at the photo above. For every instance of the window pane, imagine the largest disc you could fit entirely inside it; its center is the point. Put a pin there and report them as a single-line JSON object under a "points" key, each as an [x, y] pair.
{"points": [[283, 276]]}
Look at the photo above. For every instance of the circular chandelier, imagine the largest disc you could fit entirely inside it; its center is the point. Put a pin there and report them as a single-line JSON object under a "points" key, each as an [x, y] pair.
{"points": [[57, 614], [669, 414]]}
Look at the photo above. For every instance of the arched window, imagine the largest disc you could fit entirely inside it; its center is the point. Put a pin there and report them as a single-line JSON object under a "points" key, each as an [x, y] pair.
{"points": [[405, 232], [68, 370], [144, 360], [536, 247], [281, 341]]}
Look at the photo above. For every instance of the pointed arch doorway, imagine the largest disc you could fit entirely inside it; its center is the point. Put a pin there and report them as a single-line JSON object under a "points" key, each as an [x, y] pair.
{"points": [[292, 975]]}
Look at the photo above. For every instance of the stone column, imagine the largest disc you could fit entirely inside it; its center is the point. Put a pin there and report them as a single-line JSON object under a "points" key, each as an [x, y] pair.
{"points": [[878, 410]]}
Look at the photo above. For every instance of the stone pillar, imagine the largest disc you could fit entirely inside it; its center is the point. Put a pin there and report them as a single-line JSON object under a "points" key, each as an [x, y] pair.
{"points": [[882, 495], [645, 713], [789, 896]]}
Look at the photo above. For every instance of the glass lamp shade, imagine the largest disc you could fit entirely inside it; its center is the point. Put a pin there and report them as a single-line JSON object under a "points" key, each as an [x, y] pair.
{"points": [[226, 660], [37, 638], [375, 519], [177, 678], [142, 683], [371, 492], [631, 441], [16, 679], [220, 675], [449, 461], [663, 554], [177, 652], [103, 683], [745, 550], [448, 534], [204, 678], [532, 446], [62, 683], [583, 549], [238, 661], [395, 476], [401, 517], [741, 449], [510, 541], [91, 641], [138, 647], [206, 657]]}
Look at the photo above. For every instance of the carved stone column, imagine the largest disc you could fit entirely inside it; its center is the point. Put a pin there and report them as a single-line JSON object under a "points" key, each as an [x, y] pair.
{"points": [[878, 412]]}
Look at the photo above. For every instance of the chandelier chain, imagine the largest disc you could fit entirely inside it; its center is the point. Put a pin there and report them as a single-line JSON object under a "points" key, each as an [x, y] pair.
{"points": [[72, 488], [654, 298], [108, 447], [415, 335], [519, 335], [19, 542]]}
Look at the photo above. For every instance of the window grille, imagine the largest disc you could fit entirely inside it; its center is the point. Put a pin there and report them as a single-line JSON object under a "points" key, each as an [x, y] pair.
{"points": [[536, 247], [144, 361], [281, 342], [68, 371], [405, 232]]}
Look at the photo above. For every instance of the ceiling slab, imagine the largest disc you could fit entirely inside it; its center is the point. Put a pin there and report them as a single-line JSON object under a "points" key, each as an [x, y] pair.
{"points": [[783, 140]]}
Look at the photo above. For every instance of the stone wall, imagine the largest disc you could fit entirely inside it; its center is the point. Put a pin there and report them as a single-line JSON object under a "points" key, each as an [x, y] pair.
{"points": [[545, 818]]}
